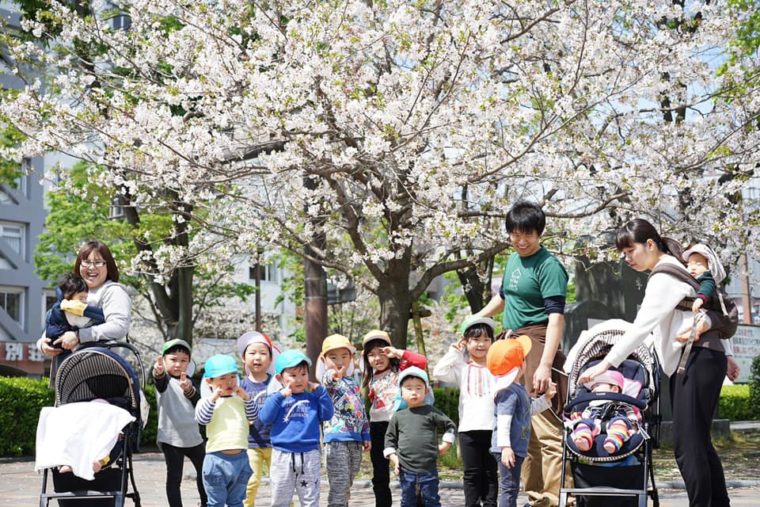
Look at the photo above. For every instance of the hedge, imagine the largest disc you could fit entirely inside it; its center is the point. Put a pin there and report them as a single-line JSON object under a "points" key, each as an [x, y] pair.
{"points": [[447, 401], [22, 400], [734, 403], [754, 387]]}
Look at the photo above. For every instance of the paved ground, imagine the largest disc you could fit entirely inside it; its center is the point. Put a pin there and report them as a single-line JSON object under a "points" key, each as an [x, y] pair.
{"points": [[20, 486]]}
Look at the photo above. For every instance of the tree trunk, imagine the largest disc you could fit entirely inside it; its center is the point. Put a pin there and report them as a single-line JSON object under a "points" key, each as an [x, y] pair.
{"points": [[395, 309], [315, 291], [477, 292], [418, 329], [257, 300], [315, 307], [184, 329]]}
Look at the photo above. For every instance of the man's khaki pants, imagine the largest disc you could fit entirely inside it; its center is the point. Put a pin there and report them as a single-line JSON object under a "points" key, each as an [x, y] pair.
{"points": [[541, 471]]}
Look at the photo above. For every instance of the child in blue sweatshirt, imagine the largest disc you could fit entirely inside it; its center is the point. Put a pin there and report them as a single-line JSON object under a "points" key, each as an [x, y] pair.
{"points": [[347, 433], [295, 414]]}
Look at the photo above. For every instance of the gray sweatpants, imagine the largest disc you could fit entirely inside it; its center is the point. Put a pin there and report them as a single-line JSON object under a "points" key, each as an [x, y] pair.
{"points": [[343, 460], [295, 471]]}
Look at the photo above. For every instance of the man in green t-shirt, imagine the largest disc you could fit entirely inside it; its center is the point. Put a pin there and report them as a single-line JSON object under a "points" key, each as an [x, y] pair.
{"points": [[532, 298]]}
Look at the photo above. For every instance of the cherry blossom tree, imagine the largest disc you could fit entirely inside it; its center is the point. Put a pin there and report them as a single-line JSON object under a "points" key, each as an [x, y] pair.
{"points": [[399, 132]]}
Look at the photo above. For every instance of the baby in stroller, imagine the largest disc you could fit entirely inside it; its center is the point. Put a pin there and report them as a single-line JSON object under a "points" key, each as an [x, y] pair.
{"points": [[601, 478], [98, 413], [80, 437], [614, 421]]}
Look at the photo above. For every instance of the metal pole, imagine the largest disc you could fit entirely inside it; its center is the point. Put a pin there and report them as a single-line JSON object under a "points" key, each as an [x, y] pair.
{"points": [[746, 289]]}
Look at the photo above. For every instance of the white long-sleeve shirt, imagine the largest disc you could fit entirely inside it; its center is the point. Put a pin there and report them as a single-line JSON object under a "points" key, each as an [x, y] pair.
{"points": [[475, 385], [658, 315]]}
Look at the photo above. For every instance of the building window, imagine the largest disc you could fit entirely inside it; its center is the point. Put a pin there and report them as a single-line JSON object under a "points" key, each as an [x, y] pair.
{"points": [[13, 234], [48, 300], [20, 185], [117, 210], [268, 272], [12, 301], [121, 22]]}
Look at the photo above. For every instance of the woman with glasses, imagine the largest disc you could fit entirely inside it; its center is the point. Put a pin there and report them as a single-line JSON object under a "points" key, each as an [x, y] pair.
{"points": [[96, 266]]}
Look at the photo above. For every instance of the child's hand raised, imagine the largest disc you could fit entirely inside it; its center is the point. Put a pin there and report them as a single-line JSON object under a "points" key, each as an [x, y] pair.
{"points": [[184, 383], [312, 386], [242, 393], [392, 352], [158, 366], [460, 345], [340, 372], [286, 390]]}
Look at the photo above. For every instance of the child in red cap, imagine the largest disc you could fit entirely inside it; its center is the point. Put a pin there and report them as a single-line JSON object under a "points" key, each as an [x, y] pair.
{"points": [[513, 410]]}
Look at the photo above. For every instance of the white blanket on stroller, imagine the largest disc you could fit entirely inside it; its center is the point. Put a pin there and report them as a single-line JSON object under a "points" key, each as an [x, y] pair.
{"points": [[78, 434]]}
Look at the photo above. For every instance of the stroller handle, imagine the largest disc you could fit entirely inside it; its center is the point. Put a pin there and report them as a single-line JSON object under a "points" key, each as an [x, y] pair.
{"points": [[113, 344]]}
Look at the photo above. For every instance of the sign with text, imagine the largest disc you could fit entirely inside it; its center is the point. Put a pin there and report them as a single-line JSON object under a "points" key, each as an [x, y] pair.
{"points": [[22, 356], [746, 344]]}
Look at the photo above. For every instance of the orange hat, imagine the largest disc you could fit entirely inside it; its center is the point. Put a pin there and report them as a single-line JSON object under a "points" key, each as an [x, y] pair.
{"points": [[505, 358]]}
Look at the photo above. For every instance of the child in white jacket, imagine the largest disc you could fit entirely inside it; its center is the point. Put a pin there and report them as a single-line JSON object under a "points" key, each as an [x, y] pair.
{"points": [[465, 365]]}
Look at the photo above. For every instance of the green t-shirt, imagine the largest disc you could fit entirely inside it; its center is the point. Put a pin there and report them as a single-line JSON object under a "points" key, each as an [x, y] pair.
{"points": [[527, 282], [413, 434]]}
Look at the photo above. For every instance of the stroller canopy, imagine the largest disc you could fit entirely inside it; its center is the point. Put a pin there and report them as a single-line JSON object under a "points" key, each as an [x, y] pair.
{"points": [[596, 342], [97, 372]]}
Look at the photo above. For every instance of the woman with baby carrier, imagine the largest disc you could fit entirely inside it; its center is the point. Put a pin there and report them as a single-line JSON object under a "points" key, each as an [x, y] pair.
{"points": [[95, 264], [695, 389]]}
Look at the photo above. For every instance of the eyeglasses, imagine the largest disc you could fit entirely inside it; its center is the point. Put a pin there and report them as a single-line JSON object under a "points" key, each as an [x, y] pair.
{"points": [[93, 264]]}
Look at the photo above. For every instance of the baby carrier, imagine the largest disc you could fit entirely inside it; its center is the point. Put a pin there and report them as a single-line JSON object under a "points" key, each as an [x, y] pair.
{"points": [[98, 373], [622, 478]]}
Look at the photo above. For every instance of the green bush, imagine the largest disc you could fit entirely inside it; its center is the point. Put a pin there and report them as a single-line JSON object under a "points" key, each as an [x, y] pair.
{"points": [[150, 430], [447, 401], [21, 400], [734, 403], [754, 388]]}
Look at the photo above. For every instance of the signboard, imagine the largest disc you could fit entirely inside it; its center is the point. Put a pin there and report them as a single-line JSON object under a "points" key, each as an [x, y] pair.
{"points": [[23, 356], [746, 344]]}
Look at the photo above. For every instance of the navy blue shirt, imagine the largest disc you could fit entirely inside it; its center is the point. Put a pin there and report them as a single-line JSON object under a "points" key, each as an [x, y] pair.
{"points": [[514, 401], [259, 433]]}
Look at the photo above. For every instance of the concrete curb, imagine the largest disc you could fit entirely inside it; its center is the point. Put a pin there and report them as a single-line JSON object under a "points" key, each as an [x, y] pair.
{"points": [[731, 484], [678, 485]]}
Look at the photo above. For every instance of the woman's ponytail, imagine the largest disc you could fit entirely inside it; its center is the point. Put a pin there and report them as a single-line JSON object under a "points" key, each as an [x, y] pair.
{"points": [[673, 248]]}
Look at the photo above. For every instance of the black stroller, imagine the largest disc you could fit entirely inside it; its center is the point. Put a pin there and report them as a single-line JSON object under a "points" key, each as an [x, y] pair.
{"points": [[622, 478], [98, 372]]}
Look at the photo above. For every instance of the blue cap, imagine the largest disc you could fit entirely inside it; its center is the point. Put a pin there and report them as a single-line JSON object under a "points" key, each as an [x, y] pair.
{"points": [[413, 371], [219, 365], [289, 359]]}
